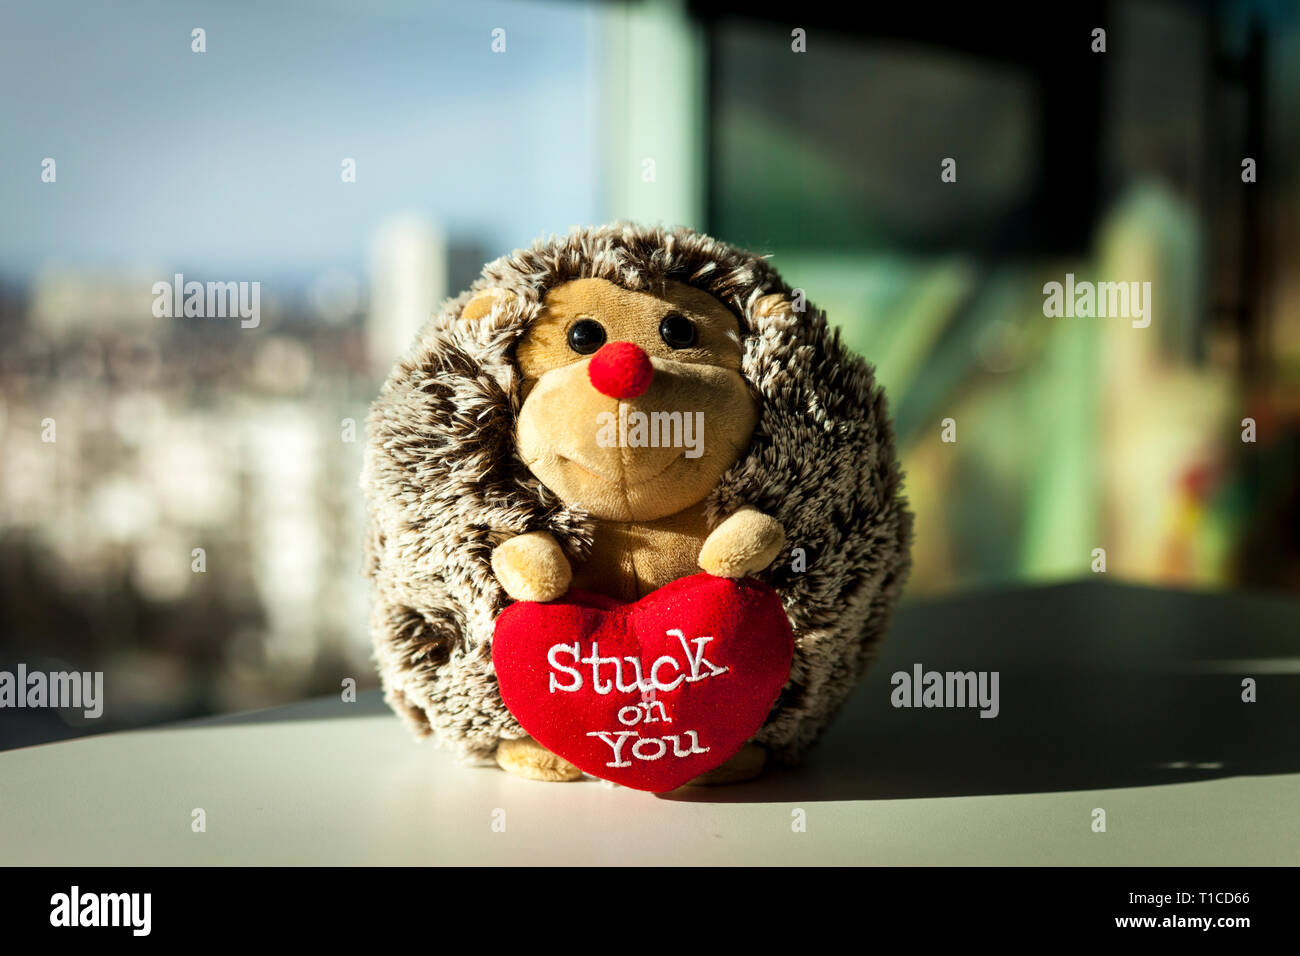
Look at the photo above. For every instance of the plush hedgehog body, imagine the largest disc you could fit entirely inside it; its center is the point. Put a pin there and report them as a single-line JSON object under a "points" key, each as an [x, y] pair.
{"points": [[611, 411]]}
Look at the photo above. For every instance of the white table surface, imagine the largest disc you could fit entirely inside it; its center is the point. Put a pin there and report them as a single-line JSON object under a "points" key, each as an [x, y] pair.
{"points": [[1182, 780]]}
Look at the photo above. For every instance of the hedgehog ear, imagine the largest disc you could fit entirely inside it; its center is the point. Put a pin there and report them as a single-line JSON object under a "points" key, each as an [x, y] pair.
{"points": [[771, 304], [484, 302]]}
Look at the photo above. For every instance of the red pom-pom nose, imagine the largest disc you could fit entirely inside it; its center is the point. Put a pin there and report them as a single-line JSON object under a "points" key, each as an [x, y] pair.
{"points": [[621, 370]]}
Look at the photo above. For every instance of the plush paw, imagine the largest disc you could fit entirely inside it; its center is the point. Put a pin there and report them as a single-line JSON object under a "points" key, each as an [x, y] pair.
{"points": [[746, 542], [746, 765], [529, 759], [532, 567]]}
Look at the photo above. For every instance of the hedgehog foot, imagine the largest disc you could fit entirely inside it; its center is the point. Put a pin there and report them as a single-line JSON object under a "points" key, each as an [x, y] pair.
{"points": [[529, 759], [746, 765]]}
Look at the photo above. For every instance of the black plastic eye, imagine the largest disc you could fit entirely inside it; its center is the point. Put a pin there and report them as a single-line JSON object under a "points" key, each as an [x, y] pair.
{"points": [[677, 331], [586, 335]]}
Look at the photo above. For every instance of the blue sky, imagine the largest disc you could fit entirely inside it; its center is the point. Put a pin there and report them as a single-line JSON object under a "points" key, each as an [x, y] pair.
{"points": [[228, 162]]}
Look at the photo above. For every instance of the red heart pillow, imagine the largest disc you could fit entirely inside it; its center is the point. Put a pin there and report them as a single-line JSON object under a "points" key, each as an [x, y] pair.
{"points": [[650, 694]]}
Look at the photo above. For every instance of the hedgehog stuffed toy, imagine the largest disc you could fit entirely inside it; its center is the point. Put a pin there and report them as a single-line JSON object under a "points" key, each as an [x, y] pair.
{"points": [[635, 512]]}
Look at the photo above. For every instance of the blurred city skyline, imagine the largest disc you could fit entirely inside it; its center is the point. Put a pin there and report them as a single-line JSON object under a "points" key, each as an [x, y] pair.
{"points": [[176, 434]]}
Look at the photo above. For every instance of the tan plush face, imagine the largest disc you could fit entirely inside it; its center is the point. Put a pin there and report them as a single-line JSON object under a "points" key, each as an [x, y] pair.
{"points": [[593, 436]]}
